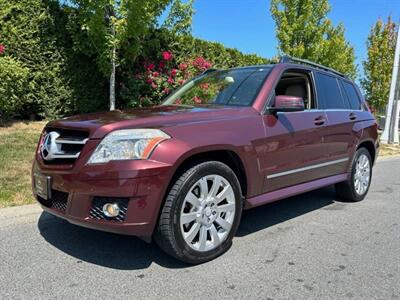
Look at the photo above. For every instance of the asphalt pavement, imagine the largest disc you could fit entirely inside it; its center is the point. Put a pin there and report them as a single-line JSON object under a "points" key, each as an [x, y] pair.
{"points": [[311, 246]]}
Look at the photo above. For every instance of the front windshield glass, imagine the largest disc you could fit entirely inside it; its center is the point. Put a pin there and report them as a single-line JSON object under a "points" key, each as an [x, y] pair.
{"points": [[229, 87]]}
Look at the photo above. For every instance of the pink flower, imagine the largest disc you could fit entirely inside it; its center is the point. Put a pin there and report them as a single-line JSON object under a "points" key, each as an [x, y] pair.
{"points": [[161, 65], [154, 85], [2, 49], [167, 55], [156, 74], [173, 72], [183, 66], [170, 80], [150, 67], [166, 91], [207, 65], [149, 80], [181, 81], [204, 86], [178, 101], [201, 64], [197, 99]]}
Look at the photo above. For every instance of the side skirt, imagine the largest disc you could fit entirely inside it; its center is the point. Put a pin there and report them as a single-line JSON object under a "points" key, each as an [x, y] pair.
{"points": [[293, 190]]}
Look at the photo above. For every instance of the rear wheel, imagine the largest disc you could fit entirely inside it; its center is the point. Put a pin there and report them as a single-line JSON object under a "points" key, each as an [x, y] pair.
{"points": [[357, 186], [201, 213]]}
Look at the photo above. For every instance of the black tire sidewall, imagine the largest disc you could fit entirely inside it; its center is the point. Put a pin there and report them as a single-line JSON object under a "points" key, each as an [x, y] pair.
{"points": [[202, 170]]}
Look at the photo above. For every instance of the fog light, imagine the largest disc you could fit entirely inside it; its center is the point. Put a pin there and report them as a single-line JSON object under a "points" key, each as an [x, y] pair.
{"points": [[111, 210]]}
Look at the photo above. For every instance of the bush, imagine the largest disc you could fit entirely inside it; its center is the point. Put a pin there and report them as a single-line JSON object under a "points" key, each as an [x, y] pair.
{"points": [[13, 88], [155, 80], [29, 30], [152, 77], [187, 47]]}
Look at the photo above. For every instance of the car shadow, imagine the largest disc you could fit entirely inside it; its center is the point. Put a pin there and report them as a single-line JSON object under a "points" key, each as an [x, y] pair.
{"points": [[277, 212], [130, 253]]}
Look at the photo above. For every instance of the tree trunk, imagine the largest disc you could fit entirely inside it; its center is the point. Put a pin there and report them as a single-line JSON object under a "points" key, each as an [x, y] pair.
{"points": [[112, 80], [113, 61]]}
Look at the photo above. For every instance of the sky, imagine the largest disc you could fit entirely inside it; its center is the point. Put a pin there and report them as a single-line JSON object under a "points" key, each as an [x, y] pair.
{"points": [[248, 26]]}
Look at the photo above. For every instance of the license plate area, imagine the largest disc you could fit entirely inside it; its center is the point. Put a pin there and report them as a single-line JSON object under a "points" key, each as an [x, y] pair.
{"points": [[42, 185]]}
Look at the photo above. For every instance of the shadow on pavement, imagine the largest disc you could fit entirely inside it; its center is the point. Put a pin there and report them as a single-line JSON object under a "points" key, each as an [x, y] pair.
{"points": [[130, 253], [102, 248], [274, 213]]}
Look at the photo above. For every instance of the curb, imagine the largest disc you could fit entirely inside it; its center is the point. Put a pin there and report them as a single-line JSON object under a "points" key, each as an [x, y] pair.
{"points": [[388, 157]]}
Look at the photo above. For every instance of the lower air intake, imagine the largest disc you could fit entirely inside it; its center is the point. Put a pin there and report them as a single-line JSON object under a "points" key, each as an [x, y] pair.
{"points": [[96, 211]]}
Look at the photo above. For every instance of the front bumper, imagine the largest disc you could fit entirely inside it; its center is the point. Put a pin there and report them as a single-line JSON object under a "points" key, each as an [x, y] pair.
{"points": [[74, 194]]}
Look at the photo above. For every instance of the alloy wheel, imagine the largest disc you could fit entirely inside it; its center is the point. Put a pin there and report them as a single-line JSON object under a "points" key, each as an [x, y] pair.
{"points": [[208, 213], [362, 174]]}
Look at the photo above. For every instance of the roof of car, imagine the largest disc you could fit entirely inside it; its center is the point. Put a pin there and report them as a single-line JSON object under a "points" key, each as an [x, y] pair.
{"points": [[297, 62]]}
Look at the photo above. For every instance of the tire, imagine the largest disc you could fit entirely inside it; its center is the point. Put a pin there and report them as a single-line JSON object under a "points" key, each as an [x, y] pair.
{"points": [[187, 202], [348, 190]]}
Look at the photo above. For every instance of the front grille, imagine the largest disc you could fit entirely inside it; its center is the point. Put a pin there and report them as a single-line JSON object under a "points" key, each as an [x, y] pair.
{"points": [[59, 200], [69, 145], [96, 211]]}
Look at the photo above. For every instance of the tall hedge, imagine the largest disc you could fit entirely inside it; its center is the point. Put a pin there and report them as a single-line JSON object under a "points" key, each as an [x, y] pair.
{"points": [[28, 30], [187, 47], [61, 81], [150, 78], [14, 85], [43, 75]]}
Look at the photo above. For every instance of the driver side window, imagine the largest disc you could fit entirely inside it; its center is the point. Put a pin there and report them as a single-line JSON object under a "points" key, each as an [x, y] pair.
{"points": [[298, 84]]}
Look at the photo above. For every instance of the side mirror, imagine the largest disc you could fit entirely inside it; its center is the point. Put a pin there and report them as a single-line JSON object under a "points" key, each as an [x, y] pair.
{"points": [[287, 103]]}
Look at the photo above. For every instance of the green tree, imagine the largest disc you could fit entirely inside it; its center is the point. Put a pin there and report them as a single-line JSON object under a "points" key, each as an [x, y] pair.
{"points": [[179, 20], [114, 29], [378, 66], [304, 31]]}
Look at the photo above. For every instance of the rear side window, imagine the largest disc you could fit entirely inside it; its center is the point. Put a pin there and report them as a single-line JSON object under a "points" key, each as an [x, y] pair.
{"points": [[352, 95], [329, 95]]}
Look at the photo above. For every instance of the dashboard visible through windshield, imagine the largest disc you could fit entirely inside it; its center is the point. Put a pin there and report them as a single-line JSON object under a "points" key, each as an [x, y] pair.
{"points": [[236, 87]]}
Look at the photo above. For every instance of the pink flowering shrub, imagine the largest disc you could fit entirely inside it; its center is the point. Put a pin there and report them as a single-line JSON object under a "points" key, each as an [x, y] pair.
{"points": [[2, 49], [156, 80]]}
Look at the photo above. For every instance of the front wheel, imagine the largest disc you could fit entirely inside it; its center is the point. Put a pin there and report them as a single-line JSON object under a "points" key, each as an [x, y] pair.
{"points": [[357, 186], [201, 213]]}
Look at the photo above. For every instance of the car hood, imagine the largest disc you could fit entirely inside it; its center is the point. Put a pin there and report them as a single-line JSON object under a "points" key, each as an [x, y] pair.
{"points": [[99, 124]]}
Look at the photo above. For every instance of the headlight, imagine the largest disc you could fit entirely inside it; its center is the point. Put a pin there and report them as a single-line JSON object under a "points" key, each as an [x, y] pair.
{"points": [[127, 144]]}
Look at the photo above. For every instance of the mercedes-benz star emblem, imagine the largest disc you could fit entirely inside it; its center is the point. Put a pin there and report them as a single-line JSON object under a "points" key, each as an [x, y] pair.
{"points": [[49, 147]]}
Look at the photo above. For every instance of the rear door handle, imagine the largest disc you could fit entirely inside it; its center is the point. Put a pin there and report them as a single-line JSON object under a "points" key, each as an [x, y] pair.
{"points": [[319, 121], [352, 116]]}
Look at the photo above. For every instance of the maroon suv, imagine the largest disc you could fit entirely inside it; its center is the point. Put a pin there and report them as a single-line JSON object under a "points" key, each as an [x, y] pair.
{"points": [[228, 140]]}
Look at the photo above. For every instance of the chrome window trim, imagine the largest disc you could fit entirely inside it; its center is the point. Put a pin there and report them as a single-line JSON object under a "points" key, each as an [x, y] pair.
{"points": [[328, 163]]}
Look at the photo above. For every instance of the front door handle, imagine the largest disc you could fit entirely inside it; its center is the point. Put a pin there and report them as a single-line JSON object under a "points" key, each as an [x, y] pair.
{"points": [[352, 116], [319, 121]]}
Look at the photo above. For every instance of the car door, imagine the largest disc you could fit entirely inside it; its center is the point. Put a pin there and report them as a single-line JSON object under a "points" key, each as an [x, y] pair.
{"points": [[341, 135], [293, 146]]}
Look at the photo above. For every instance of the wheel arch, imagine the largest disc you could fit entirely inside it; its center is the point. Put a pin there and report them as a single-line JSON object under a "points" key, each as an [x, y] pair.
{"points": [[370, 146], [225, 155]]}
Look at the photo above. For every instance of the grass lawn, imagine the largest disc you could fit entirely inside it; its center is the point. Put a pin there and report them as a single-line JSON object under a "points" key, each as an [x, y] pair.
{"points": [[387, 150], [17, 146]]}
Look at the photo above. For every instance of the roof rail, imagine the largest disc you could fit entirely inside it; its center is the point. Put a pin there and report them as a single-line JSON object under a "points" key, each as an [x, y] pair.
{"points": [[289, 59]]}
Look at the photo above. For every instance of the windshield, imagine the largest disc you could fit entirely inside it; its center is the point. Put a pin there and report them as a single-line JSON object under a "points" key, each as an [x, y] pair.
{"points": [[228, 87]]}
